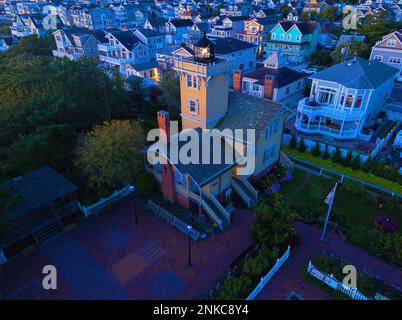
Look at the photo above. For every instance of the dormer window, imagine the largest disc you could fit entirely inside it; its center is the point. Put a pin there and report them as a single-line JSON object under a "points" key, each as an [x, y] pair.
{"points": [[273, 36]]}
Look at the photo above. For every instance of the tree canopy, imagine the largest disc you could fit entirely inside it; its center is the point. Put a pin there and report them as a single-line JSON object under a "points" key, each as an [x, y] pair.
{"points": [[108, 156], [45, 103]]}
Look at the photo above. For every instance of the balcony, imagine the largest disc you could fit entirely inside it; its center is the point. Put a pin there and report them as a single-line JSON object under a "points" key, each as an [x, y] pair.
{"points": [[62, 54], [204, 69], [307, 107], [115, 61], [328, 130]]}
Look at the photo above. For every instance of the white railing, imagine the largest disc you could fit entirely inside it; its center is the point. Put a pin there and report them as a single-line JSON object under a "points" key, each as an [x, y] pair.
{"points": [[249, 186], [312, 128], [2, 257], [241, 193], [330, 281], [211, 214], [220, 207], [285, 161], [103, 204], [170, 219], [270, 274], [329, 110]]}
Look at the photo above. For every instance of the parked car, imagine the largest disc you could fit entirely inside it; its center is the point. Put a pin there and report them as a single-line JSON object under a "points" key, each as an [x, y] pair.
{"points": [[309, 71]]}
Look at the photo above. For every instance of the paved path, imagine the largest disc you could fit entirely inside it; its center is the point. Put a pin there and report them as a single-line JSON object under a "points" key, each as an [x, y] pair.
{"points": [[288, 279], [110, 257]]}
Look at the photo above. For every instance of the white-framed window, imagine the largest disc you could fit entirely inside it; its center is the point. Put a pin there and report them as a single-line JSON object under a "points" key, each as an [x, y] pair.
{"points": [[275, 126], [272, 151], [378, 58], [273, 36], [289, 37], [394, 60], [193, 106], [298, 38], [282, 36], [191, 81], [391, 42], [256, 87]]}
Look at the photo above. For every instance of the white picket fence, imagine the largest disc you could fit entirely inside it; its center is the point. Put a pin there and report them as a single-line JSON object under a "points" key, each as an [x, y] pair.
{"points": [[270, 274], [2, 257], [103, 204], [330, 281], [170, 219]]}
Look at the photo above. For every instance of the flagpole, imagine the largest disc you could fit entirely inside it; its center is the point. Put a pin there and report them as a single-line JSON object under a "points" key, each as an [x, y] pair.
{"points": [[328, 213]]}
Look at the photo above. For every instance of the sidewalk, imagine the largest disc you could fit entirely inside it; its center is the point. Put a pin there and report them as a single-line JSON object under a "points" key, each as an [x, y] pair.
{"points": [[289, 278]]}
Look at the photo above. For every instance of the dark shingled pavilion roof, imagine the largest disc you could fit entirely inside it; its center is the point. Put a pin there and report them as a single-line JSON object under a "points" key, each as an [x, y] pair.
{"points": [[38, 188]]}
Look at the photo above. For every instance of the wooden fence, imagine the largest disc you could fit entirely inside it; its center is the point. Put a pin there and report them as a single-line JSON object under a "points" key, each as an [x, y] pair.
{"points": [[172, 220], [270, 274], [106, 203], [330, 281]]}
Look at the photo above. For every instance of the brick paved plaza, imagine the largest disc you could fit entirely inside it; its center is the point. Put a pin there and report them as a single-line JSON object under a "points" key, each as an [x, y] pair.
{"points": [[110, 257]]}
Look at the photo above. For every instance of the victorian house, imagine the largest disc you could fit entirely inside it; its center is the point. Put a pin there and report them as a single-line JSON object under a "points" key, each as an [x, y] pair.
{"points": [[207, 103], [345, 98]]}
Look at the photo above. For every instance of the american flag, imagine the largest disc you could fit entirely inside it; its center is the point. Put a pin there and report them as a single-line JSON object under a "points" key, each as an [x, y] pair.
{"points": [[330, 197]]}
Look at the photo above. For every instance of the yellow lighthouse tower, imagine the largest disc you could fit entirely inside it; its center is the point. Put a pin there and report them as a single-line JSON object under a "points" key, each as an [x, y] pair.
{"points": [[204, 86]]}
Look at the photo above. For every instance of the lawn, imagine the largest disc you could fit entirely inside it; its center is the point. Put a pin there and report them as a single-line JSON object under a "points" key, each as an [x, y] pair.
{"points": [[307, 192]]}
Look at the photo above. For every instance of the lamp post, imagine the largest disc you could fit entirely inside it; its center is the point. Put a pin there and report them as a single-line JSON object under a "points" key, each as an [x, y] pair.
{"points": [[134, 204], [189, 228]]}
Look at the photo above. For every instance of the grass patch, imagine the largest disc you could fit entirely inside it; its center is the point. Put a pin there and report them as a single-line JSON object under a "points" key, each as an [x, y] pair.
{"points": [[358, 174]]}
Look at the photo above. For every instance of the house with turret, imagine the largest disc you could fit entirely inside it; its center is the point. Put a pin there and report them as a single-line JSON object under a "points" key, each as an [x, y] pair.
{"points": [[209, 181]]}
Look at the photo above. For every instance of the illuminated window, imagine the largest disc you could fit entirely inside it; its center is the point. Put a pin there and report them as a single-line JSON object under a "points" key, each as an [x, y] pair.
{"points": [[349, 101], [358, 102]]}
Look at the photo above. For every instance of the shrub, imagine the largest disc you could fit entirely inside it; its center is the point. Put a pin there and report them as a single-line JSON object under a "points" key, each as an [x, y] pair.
{"points": [[355, 164], [293, 142], [235, 288], [347, 162], [302, 145], [146, 184], [316, 151], [325, 155], [367, 165], [337, 155]]}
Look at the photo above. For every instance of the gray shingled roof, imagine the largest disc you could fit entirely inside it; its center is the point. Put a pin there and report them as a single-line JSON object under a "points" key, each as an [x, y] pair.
{"points": [[358, 74], [247, 112]]}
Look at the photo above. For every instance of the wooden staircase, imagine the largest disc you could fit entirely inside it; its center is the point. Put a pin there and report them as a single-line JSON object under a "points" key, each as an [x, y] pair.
{"points": [[245, 190]]}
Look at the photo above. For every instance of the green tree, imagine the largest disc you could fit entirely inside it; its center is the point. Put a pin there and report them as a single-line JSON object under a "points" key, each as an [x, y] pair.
{"points": [[375, 27], [356, 162], [368, 164], [293, 142], [108, 156], [302, 145], [347, 162], [325, 154], [170, 87], [356, 48], [5, 29], [309, 16], [321, 58], [328, 13], [337, 155], [316, 151], [272, 224], [284, 10]]}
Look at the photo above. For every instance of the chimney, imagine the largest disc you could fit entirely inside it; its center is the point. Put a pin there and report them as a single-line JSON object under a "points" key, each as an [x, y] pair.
{"points": [[269, 86], [164, 125], [237, 80]]}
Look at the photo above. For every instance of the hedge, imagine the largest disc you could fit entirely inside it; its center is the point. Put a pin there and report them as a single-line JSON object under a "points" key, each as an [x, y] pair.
{"points": [[358, 174]]}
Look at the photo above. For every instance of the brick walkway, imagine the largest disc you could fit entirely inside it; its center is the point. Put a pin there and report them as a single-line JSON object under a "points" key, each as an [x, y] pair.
{"points": [[288, 279], [110, 257]]}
